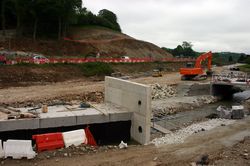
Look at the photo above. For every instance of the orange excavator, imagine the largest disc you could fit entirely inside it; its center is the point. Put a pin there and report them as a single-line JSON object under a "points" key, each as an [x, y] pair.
{"points": [[197, 73]]}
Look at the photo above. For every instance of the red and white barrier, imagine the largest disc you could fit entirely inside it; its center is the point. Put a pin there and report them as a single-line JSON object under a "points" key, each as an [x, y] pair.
{"points": [[105, 60], [1, 150], [75, 137], [18, 149], [51, 141]]}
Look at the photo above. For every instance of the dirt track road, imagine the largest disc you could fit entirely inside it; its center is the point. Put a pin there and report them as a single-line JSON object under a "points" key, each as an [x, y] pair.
{"points": [[73, 89], [69, 88]]}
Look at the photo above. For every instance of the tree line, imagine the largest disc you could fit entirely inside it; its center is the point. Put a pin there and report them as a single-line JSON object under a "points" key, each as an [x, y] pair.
{"points": [[184, 50], [219, 58], [50, 18]]}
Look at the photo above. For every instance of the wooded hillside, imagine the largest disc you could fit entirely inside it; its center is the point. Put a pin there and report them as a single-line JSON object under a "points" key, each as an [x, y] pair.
{"points": [[51, 18]]}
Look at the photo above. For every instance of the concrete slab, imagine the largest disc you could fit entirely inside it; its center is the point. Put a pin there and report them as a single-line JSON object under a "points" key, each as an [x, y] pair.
{"points": [[22, 124], [57, 116]]}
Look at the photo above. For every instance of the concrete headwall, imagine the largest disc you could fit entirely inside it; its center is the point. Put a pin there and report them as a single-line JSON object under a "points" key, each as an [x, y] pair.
{"points": [[135, 98], [199, 89]]}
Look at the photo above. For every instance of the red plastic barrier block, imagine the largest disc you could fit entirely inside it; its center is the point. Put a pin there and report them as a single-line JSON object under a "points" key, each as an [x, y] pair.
{"points": [[90, 137], [48, 141]]}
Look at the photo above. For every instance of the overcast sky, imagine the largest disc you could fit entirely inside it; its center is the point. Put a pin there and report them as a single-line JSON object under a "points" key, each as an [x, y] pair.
{"points": [[217, 25]]}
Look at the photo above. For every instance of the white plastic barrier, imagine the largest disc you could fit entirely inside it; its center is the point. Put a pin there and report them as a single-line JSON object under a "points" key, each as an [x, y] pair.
{"points": [[1, 150], [18, 149], [75, 137]]}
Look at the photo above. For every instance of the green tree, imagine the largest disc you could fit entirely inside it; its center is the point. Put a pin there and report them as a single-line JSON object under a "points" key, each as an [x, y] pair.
{"points": [[178, 51], [230, 59], [111, 17], [65, 11], [242, 58], [187, 49], [37, 8], [186, 45], [20, 10], [3, 3]]}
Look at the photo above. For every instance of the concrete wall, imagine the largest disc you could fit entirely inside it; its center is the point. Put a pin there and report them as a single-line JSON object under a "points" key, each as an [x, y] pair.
{"points": [[199, 89], [135, 98]]}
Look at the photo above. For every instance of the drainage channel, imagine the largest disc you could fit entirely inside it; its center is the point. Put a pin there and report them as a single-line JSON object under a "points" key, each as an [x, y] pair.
{"points": [[104, 134], [179, 120]]}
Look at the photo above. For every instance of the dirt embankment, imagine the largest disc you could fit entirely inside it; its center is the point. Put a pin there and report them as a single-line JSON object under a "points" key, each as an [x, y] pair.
{"points": [[26, 75], [88, 42]]}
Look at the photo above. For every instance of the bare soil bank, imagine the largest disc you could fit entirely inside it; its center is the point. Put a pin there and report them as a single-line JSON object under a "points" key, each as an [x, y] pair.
{"points": [[26, 75]]}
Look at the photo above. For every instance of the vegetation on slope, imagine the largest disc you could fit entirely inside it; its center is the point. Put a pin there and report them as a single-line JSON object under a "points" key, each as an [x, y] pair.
{"points": [[50, 18]]}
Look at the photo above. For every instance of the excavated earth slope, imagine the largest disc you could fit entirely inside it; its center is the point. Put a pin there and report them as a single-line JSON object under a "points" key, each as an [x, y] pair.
{"points": [[88, 42]]}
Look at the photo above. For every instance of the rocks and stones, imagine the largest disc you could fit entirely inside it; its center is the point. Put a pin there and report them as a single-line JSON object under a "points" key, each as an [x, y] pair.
{"points": [[236, 112], [162, 92], [179, 104], [123, 145], [224, 112], [204, 160], [180, 135]]}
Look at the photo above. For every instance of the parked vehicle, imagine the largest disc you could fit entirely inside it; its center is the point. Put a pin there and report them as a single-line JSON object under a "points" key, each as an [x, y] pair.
{"points": [[3, 59], [234, 68], [157, 73], [39, 59], [125, 57]]}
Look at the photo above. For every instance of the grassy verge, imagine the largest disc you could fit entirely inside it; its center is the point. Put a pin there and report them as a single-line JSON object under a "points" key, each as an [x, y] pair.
{"points": [[245, 68], [96, 68], [88, 69]]}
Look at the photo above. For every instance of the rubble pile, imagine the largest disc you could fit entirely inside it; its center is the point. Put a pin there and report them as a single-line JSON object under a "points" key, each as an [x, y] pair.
{"points": [[236, 112], [71, 151], [206, 100], [97, 97], [181, 135], [76, 150], [168, 107], [162, 92]]}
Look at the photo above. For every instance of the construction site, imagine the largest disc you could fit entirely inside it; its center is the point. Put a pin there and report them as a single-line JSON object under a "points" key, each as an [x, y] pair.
{"points": [[161, 118], [76, 90]]}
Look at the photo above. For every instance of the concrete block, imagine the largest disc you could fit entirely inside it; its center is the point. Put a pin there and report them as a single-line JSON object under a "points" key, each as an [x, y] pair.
{"points": [[21, 124], [75, 137], [1, 150], [18, 149], [135, 98], [238, 114], [123, 116], [57, 121], [91, 119], [140, 128]]}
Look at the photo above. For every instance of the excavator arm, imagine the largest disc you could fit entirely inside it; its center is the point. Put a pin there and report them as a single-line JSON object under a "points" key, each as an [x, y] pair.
{"points": [[203, 57]]}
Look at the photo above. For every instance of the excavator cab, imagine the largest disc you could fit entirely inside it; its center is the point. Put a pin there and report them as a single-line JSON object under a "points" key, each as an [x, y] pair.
{"points": [[189, 65]]}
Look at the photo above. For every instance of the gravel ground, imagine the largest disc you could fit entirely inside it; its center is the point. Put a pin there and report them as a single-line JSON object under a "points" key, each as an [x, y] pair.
{"points": [[181, 135]]}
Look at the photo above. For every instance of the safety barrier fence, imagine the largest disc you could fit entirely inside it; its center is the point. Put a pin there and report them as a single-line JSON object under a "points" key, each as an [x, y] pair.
{"points": [[87, 60]]}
